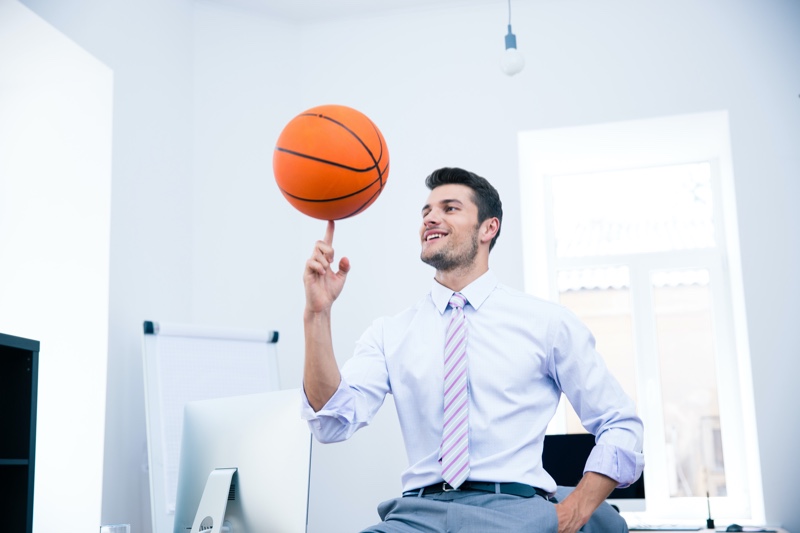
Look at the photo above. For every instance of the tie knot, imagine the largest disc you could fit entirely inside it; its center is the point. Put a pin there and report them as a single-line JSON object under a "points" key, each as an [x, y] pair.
{"points": [[457, 300]]}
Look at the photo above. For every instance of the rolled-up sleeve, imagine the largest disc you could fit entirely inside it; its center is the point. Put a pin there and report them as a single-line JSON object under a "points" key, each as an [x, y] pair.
{"points": [[334, 421], [622, 465], [360, 394]]}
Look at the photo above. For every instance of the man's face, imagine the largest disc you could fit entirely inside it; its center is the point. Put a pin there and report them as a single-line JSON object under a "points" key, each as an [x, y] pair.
{"points": [[449, 232]]}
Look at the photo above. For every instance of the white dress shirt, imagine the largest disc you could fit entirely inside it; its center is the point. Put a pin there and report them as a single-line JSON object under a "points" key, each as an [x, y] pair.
{"points": [[523, 352]]}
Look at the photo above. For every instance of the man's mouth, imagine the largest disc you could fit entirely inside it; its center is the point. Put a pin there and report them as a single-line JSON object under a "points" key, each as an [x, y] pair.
{"points": [[433, 236]]}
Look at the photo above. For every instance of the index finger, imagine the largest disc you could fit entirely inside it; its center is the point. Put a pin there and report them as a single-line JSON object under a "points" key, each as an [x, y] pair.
{"points": [[329, 233]]}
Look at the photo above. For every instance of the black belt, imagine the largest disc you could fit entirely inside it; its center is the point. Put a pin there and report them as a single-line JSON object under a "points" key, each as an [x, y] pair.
{"points": [[517, 489]]}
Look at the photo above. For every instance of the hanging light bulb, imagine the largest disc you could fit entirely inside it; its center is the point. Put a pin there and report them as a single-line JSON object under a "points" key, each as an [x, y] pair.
{"points": [[512, 61]]}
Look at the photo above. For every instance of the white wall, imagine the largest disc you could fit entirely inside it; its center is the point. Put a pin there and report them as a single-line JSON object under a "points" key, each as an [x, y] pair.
{"points": [[245, 88], [55, 196], [430, 80], [148, 45]]}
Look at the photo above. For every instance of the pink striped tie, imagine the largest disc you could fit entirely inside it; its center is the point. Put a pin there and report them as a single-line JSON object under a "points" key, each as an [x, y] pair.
{"points": [[455, 433]]}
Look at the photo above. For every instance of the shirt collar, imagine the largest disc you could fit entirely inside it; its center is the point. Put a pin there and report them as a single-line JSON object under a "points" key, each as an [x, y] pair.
{"points": [[475, 293]]}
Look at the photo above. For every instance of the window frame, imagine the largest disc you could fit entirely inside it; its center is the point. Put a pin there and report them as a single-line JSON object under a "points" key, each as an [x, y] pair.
{"points": [[703, 137]]}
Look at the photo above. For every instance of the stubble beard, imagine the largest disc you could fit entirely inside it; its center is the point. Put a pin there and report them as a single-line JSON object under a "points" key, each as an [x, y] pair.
{"points": [[449, 260]]}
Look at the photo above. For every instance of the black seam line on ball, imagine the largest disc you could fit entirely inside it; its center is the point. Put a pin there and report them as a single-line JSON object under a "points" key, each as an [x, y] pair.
{"points": [[320, 160], [330, 199], [355, 135]]}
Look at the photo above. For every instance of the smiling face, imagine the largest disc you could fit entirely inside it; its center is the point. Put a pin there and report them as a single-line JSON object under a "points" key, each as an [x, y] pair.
{"points": [[450, 229]]}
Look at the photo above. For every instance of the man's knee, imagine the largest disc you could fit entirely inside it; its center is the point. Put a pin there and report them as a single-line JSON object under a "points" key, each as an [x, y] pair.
{"points": [[606, 519]]}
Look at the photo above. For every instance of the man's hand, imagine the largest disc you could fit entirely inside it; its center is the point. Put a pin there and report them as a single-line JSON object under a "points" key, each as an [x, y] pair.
{"points": [[577, 508], [569, 519], [322, 284], [320, 372]]}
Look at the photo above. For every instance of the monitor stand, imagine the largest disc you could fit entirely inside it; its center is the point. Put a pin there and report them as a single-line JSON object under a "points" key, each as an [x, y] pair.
{"points": [[211, 511]]}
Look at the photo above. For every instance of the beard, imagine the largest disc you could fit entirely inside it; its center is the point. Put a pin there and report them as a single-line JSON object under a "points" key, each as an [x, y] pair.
{"points": [[450, 259]]}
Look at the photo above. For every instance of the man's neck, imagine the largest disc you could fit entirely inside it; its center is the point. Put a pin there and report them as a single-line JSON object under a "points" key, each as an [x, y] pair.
{"points": [[457, 279]]}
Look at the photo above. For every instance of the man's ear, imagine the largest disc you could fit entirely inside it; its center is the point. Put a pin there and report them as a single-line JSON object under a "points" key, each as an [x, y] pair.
{"points": [[489, 229]]}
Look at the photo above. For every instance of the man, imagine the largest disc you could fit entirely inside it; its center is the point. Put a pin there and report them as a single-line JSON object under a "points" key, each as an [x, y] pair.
{"points": [[473, 428]]}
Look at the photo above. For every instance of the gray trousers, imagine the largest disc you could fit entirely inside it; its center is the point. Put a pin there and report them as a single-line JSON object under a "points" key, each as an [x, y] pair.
{"points": [[484, 512]]}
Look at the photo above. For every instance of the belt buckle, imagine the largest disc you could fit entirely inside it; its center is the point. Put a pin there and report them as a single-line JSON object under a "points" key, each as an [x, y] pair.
{"points": [[447, 487]]}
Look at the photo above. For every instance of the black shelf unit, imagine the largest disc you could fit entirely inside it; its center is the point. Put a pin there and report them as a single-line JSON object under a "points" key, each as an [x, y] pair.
{"points": [[19, 370]]}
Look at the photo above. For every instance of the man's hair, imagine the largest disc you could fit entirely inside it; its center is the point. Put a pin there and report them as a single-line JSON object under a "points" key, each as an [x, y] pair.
{"points": [[484, 194]]}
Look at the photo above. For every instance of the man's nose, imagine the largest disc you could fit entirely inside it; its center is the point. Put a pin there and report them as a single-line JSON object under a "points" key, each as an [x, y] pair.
{"points": [[430, 219]]}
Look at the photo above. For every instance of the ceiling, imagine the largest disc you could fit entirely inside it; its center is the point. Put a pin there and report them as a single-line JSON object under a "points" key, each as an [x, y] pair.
{"points": [[319, 10]]}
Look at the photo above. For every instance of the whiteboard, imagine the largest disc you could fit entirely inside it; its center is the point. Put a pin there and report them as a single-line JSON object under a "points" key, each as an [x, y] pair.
{"points": [[185, 363]]}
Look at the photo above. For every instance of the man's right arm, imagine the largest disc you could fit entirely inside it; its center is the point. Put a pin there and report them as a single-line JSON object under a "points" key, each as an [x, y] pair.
{"points": [[321, 373], [322, 286]]}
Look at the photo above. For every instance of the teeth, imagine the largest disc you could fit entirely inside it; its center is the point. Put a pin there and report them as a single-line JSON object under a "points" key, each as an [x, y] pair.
{"points": [[433, 236]]}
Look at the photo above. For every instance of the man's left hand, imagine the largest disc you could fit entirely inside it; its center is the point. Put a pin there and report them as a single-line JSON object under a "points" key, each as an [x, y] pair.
{"points": [[577, 508], [569, 520]]}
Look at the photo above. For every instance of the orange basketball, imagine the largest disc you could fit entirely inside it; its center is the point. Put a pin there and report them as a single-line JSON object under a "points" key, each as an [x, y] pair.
{"points": [[331, 162]]}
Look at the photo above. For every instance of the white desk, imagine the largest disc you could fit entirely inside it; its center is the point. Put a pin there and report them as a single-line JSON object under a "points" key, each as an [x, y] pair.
{"points": [[747, 529]]}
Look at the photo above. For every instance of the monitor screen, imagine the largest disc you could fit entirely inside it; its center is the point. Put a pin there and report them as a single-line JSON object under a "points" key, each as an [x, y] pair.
{"points": [[564, 457], [264, 438]]}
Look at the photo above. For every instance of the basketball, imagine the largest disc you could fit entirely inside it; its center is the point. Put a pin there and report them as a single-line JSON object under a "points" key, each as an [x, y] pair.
{"points": [[331, 162]]}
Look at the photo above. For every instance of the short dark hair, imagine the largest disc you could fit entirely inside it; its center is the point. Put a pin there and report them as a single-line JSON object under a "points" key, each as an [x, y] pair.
{"points": [[484, 194]]}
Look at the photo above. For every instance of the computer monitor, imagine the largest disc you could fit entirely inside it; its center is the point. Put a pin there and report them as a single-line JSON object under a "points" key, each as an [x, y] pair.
{"points": [[263, 438], [564, 457]]}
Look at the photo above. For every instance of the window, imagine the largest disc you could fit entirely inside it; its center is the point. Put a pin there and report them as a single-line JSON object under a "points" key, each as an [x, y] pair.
{"points": [[632, 226]]}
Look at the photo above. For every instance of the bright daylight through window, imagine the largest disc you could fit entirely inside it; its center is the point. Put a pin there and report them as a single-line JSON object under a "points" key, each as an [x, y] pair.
{"points": [[594, 217], [633, 231]]}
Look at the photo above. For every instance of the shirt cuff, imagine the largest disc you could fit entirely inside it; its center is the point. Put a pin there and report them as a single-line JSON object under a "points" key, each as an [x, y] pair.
{"points": [[340, 406], [620, 464]]}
